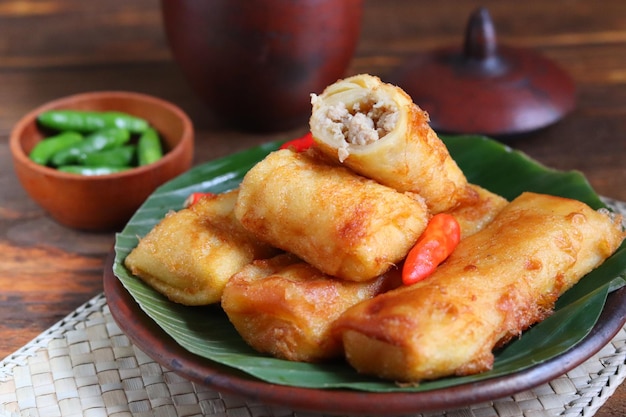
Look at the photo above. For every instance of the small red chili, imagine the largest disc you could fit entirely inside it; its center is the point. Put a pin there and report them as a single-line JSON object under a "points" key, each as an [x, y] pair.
{"points": [[193, 198], [300, 144], [437, 242]]}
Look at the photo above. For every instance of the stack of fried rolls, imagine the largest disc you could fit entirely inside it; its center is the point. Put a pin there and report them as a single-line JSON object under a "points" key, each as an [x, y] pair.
{"points": [[314, 242]]}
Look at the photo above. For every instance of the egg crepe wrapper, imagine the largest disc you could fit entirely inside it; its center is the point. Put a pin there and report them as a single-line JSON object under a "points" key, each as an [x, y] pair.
{"points": [[285, 307], [496, 283], [343, 224], [375, 129], [191, 253]]}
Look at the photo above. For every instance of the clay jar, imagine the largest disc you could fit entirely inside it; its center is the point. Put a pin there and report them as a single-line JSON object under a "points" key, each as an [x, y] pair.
{"points": [[255, 62]]}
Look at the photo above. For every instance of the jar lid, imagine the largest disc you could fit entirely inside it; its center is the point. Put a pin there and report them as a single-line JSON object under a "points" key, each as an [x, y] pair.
{"points": [[486, 88]]}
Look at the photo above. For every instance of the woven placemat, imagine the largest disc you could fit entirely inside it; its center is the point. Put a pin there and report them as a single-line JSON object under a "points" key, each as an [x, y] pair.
{"points": [[86, 366]]}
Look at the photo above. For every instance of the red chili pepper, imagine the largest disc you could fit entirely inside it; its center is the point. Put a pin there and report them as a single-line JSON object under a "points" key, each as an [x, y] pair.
{"points": [[300, 144], [193, 199], [436, 243]]}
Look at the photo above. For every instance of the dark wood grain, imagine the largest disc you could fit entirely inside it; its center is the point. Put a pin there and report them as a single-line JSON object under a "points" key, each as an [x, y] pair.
{"points": [[59, 47]]}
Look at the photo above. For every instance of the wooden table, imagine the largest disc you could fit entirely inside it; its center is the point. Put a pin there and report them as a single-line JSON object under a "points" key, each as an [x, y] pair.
{"points": [[50, 49]]}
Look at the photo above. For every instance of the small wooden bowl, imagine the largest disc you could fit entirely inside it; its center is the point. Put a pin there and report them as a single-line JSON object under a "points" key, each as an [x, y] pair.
{"points": [[106, 202]]}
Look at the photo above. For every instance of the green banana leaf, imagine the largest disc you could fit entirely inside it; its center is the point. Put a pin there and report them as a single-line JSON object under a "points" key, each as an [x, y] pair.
{"points": [[207, 332]]}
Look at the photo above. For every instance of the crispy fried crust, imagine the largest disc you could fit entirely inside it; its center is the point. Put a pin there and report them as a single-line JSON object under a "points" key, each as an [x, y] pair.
{"points": [[477, 209], [190, 254], [375, 129], [343, 224], [285, 307], [497, 283]]}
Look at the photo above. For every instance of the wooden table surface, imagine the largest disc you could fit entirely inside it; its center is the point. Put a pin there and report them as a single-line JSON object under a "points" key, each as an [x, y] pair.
{"points": [[53, 48]]}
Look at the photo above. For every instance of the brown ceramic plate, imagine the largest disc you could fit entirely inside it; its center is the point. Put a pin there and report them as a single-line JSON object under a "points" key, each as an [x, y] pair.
{"points": [[157, 344]]}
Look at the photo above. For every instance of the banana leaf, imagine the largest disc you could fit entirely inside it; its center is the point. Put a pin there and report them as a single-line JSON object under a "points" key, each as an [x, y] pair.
{"points": [[206, 331]]}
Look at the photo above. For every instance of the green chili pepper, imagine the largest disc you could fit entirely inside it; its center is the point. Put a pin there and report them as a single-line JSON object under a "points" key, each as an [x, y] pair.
{"points": [[46, 148], [149, 147], [90, 171], [116, 157], [97, 141], [90, 121]]}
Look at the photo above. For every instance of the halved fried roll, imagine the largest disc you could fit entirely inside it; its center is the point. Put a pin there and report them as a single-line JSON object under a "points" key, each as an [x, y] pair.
{"points": [[496, 283], [190, 254], [343, 224], [285, 307], [375, 129]]}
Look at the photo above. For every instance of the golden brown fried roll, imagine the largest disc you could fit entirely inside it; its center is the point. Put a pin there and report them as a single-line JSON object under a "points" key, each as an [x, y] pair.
{"points": [[190, 254], [375, 129], [285, 307], [477, 210], [343, 224], [496, 283]]}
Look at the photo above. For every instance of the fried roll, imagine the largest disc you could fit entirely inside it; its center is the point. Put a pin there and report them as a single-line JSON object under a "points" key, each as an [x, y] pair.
{"points": [[285, 307], [497, 283], [477, 210], [343, 224], [375, 129], [190, 254]]}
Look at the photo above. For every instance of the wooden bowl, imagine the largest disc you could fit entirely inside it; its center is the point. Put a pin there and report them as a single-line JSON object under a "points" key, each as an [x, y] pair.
{"points": [[106, 202]]}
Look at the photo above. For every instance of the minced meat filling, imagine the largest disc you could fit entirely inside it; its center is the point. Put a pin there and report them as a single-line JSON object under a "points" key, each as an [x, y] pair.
{"points": [[362, 126]]}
